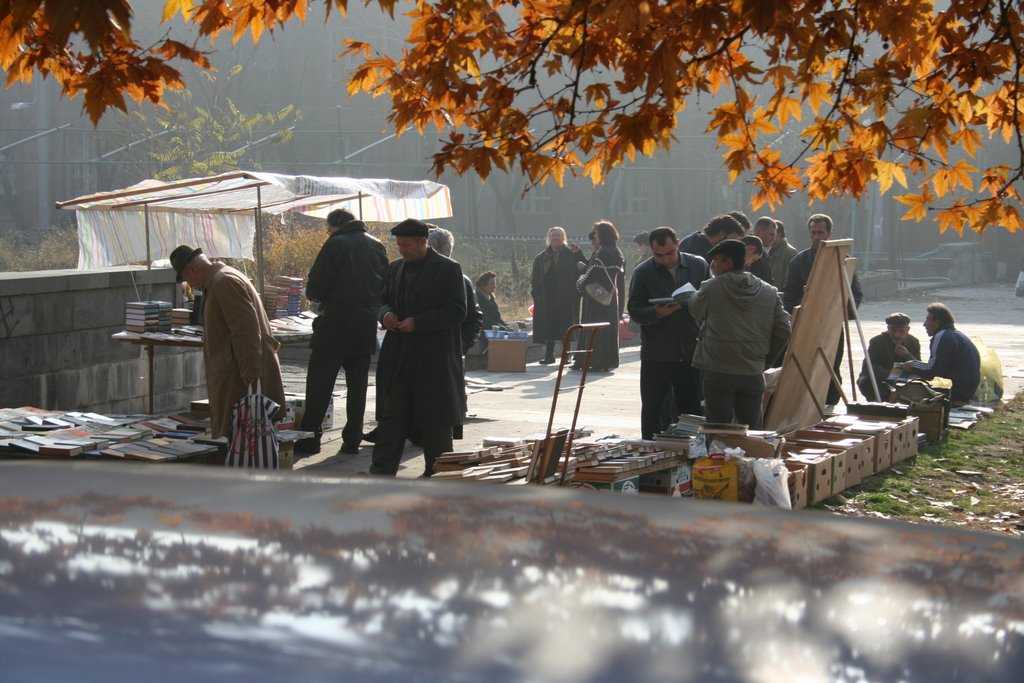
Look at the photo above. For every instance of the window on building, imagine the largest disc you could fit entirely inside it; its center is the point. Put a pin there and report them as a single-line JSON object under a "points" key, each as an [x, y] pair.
{"points": [[537, 200], [634, 196], [80, 174]]}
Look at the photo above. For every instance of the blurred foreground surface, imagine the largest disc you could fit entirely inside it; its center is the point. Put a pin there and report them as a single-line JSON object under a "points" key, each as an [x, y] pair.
{"points": [[200, 574]]}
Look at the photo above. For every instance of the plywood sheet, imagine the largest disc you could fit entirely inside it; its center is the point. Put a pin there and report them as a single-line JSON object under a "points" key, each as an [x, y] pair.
{"points": [[818, 323]]}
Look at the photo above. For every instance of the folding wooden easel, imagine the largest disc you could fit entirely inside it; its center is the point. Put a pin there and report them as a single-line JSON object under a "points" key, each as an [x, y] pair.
{"points": [[798, 399]]}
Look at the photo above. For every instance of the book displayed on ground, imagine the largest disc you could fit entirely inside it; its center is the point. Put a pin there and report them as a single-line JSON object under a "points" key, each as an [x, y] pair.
{"points": [[188, 331], [678, 296], [722, 428]]}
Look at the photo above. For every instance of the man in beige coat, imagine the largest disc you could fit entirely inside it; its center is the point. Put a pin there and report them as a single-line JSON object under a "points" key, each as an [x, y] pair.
{"points": [[238, 348]]}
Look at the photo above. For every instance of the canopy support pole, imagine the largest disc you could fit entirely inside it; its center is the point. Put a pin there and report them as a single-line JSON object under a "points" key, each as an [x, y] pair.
{"points": [[259, 239], [360, 206], [149, 255]]}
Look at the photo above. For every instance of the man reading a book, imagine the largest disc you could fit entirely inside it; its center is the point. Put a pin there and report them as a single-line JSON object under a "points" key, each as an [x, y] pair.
{"points": [[895, 345], [668, 334]]}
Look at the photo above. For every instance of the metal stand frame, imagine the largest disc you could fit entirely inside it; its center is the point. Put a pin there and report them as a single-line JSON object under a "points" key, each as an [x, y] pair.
{"points": [[552, 441]]}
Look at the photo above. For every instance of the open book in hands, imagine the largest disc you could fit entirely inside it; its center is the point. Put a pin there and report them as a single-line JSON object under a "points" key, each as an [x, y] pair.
{"points": [[679, 296]]}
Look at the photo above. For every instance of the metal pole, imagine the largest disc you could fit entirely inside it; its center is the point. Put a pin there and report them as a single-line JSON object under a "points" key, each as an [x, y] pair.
{"points": [[149, 255], [860, 333], [259, 239]]}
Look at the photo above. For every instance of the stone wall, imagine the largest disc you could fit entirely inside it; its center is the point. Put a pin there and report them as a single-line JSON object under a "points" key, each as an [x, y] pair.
{"points": [[55, 332]]}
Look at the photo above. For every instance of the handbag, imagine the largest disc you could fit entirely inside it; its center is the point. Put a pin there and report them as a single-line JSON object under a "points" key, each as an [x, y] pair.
{"points": [[253, 436], [600, 292]]}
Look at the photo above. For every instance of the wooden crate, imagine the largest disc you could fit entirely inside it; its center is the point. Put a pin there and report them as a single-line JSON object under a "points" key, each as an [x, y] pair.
{"points": [[933, 419]]}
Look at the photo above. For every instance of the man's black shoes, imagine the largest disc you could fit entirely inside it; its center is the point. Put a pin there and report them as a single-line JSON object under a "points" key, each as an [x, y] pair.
{"points": [[308, 446], [349, 448]]}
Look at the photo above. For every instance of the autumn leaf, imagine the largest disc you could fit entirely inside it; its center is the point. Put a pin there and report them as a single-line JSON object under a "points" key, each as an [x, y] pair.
{"points": [[886, 172], [173, 7], [918, 204]]}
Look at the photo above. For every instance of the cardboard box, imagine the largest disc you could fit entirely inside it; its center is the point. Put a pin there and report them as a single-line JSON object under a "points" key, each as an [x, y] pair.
{"points": [[883, 451], [860, 448], [295, 408], [286, 454], [820, 465], [674, 481], [629, 485], [798, 493], [506, 355], [933, 419], [904, 440], [753, 446]]}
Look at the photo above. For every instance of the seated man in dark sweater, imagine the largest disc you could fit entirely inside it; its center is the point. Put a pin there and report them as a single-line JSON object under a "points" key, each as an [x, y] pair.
{"points": [[894, 346], [953, 356]]}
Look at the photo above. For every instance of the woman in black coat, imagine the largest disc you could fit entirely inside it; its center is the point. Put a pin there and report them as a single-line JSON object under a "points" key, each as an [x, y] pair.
{"points": [[603, 286], [556, 303]]}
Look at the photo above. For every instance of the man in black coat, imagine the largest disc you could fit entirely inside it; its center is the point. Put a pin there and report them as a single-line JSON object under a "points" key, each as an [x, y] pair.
{"points": [[668, 334], [556, 302], [820, 227], [419, 372], [718, 228], [345, 280]]}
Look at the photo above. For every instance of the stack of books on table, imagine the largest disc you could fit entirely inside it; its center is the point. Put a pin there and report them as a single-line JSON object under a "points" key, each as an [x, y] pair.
{"points": [[147, 316], [181, 317], [283, 296]]}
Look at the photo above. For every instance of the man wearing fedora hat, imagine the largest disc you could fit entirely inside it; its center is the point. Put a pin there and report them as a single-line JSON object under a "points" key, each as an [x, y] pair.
{"points": [[743, 329], [238, 348], [419, 370]]}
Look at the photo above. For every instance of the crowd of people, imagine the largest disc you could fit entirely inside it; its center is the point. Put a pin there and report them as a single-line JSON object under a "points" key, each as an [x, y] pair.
{"points": [[714, 312]]}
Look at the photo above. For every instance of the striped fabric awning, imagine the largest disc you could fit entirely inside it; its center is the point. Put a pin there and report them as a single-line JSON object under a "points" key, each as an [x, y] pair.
{"points": [[219, 213]]}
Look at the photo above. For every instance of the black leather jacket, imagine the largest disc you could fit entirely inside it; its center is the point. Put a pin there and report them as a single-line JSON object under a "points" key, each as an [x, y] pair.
{"points": [[672, 338]]}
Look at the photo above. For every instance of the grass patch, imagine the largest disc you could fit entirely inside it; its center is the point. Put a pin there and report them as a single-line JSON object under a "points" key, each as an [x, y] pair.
{"points": [[972, 479]]}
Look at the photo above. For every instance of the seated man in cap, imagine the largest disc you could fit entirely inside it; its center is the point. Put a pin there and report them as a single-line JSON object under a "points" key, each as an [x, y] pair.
{"points": [[419, 370], [238, 348], [895, 345], [743, 329]]}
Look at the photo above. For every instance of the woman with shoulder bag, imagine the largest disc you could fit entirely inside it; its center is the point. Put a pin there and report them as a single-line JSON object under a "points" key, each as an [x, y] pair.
{"points": [[602, 285]]}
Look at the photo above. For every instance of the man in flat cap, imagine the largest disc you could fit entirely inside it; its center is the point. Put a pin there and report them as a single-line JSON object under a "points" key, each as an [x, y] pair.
{"points": [[345, 280], [743, 329], [894, 346], [419, 371], [238, 348]]}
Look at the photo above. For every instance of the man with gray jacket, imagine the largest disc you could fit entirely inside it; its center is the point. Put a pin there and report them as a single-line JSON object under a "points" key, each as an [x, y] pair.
{"points": [[743, 329]]}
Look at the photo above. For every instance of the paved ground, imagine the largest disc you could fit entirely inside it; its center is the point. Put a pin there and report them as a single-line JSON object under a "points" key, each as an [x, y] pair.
{"points": [[611, 402]]}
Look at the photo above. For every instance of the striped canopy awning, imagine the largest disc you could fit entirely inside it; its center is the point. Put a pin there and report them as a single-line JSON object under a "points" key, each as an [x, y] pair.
{"points": [[146, 221]]}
